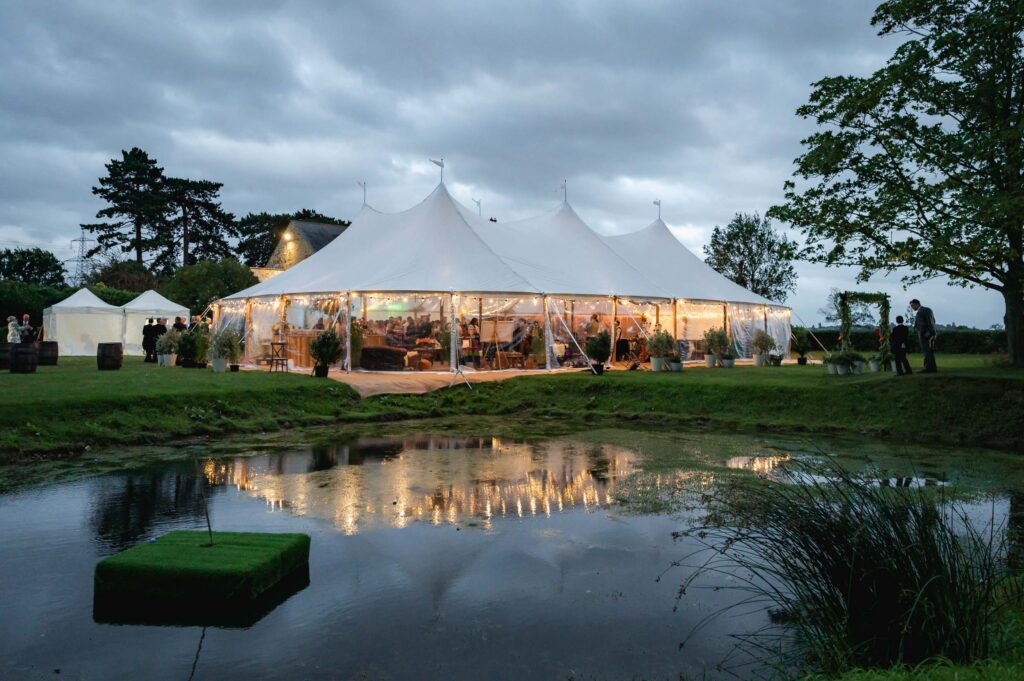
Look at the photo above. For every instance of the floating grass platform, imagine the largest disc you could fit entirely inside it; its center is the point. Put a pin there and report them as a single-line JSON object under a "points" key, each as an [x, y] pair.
{"points": [[181, 579]]}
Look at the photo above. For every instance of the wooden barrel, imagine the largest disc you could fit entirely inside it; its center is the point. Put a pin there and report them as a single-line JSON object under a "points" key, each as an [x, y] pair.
{"points": [[109, 356], [5, 356], [24, 358], [48, 353]]}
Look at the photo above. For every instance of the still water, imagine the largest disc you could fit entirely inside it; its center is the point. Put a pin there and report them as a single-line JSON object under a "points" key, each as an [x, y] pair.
{"points": [[432, 557]]}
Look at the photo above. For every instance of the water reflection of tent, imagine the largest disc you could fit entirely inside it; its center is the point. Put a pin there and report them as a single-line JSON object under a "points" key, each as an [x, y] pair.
{"points": [[440, 257]]}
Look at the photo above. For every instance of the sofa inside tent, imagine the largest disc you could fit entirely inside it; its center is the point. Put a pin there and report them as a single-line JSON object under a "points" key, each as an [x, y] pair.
{"points": [[80, 321], [146, 306]]}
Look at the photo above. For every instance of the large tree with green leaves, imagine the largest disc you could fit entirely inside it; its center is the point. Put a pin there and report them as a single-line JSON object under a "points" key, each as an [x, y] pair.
{"points": [[920, 166], [258, 233], [136, 205], [750, 252], [32, 266], [196, 227], [199, 285]]}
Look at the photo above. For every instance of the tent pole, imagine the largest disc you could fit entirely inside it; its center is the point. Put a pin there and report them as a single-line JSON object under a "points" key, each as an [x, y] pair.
{"points": [[547, 334], [248, 328], [453, 335], [347, 317], [675, 320], [615, 315], [216, 316]]}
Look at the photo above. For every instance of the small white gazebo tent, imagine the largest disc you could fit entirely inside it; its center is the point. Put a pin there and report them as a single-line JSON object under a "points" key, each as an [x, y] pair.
{"points": [[136, 312], [80, 321]]}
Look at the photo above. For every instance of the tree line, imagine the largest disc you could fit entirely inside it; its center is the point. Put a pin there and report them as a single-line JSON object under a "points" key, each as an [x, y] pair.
{"points": [[162, 223]]}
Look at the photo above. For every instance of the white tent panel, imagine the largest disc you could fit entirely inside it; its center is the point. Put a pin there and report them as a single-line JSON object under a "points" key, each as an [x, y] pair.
{"points": [[429, 247], [659, 254], [81, 321], [559, 254], [142, 308]]}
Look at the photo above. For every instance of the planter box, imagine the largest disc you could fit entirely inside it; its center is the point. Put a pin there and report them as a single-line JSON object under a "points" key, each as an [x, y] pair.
{"points": [[875, 366], [831, 368], [728, 363], [760, 360], [841, 369], [858, 367], [658, 363], [220, 365], [180, 575], [709, 361], [675, 366]]}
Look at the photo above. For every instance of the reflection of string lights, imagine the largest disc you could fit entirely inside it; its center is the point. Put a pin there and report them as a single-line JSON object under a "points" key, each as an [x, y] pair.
{"points": [[504, 480], [761, 465]]}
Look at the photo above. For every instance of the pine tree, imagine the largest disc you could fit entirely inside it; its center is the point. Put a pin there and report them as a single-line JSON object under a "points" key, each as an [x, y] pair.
{"points": [[197, 228], [133, 190]]}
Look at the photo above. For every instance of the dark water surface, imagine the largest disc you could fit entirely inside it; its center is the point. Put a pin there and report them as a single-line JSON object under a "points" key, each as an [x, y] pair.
{"points": [[432, 557]]}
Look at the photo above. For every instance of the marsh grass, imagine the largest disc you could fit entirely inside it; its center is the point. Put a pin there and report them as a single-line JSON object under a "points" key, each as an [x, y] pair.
{"points": [[855, 574]]}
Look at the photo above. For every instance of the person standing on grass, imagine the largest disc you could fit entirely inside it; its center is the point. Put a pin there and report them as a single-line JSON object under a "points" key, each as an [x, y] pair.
{"points": [[179, 325], [149, 340], [899, 343], [924, 322], [27, 332], [13, 330]]}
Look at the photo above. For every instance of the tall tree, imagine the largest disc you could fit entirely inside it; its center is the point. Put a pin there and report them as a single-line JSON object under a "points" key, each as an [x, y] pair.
{"points": [[751, 253], [136, 204], [259, 233], [921, 164], [126, 275], [197, 228], [32, 266]]}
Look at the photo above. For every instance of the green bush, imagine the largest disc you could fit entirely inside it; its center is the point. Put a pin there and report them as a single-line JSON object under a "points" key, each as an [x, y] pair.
{"points": [[661, 344], [763, 343], [599, 347], [167, 343], [196, 286], [326, 348], [226, 344], [954, 341], [356, 339], [716, 341]]}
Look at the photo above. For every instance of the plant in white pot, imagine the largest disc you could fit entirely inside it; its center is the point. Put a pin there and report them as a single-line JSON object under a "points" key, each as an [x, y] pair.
{"points": [[728, 359], [326, 350], [857, 362], [716, 341], [763, 346], [661, 346], [167, 348], [225, 349]]}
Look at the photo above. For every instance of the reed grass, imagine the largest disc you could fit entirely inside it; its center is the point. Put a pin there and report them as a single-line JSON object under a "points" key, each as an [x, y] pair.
{"points": [[854, 573]]}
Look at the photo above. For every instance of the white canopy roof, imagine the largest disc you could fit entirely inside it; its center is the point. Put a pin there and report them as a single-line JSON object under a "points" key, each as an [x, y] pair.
{"points": [[440, 245], [83, 301], [656, 251], [152, 303], [559, 254], [430, 247]]}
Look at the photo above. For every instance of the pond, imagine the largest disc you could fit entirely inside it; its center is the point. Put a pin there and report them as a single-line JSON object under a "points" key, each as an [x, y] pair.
{"points": [[432, 556]]}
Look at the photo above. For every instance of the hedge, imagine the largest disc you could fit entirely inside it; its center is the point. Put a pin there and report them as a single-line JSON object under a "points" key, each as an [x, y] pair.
{"points": [[959, 341]]}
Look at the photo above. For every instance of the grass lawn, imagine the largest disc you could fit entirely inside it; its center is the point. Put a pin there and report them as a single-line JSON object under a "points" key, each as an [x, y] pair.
{"points": [[64, 409]]}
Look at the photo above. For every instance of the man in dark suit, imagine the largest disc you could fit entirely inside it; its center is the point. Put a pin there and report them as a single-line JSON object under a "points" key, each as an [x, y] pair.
{"points": [[924, 322], [149, 340], [899, 343]]}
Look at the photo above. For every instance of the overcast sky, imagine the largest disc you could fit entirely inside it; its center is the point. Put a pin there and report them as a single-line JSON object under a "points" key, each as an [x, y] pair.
{"points": [[290, 104]]}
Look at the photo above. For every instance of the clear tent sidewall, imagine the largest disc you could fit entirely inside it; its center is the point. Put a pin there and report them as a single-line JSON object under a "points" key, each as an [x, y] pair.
{"points": [[492, 330]]}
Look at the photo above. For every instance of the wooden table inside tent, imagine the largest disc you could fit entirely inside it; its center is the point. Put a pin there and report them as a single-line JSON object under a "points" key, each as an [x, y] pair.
{"points": [[298, 346]]}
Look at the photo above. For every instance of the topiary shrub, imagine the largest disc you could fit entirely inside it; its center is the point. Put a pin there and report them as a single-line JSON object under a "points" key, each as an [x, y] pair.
{"points": [[599, 347]]}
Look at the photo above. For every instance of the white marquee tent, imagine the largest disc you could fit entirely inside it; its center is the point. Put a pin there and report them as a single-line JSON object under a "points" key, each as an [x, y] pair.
{"points": [[708, 295], [81, 321], [438, 265], [136, 312]]}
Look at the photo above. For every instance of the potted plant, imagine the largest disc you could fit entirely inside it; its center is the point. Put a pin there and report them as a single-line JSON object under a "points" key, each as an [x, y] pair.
{"points": [[356, 339], [599, 349], [801, 345], [857, 362], [763, 345], [830, 365], [715, 342], [225, 347], [775, 359], [660, 346], [727, 358], [202, 337], [326, 350], [537, 357], [187, 349], [842, 363], [167, 348]]}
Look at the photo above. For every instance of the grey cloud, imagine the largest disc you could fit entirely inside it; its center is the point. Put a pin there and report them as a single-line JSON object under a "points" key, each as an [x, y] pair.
{"points": [[288, 104]]}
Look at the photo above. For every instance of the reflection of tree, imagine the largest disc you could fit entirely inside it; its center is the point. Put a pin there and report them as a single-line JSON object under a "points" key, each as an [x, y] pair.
{"points": [[127, 508]]}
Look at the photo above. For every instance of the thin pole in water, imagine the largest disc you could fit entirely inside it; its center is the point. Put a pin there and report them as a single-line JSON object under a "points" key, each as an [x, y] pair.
{"points": [[202, 494]]}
